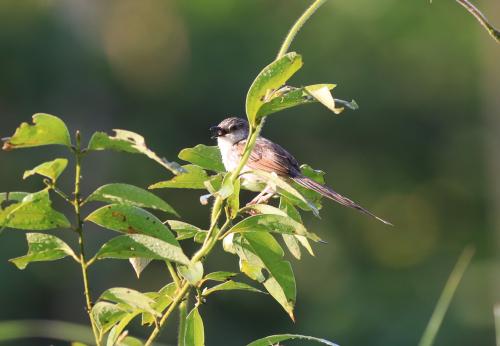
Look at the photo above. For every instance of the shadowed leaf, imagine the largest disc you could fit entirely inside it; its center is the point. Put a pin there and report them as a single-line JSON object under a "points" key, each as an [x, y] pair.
{"points": [[192, 272]]}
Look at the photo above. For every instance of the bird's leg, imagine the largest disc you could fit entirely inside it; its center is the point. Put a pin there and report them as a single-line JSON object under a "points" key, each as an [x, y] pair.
{"points": [[263, 196]]}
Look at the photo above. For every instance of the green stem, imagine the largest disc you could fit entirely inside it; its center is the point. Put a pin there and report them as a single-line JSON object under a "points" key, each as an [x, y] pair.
{"points": [[183, 307], [481, 18], [297, 26], [173, 273], [79, 230], [213, 236]]}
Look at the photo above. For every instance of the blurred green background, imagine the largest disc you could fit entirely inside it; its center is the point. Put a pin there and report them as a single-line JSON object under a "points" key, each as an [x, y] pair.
{"points": [[422, 151]]}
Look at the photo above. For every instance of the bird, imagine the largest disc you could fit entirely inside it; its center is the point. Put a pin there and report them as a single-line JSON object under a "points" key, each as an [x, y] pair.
{"points": [[270, 157]]}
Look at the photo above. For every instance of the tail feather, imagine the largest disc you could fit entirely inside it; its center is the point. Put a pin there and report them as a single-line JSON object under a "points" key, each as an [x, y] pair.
{"points": [[331, 194]]}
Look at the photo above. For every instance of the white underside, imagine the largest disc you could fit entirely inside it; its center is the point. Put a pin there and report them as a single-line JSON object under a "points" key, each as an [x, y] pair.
{"points": [[231, 159]]}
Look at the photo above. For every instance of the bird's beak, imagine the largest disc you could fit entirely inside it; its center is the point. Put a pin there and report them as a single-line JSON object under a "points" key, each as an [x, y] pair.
{"points": [[216, 131]]}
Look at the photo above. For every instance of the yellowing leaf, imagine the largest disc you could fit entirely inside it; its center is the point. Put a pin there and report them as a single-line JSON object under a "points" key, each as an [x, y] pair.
{"points": [[50, 169]]}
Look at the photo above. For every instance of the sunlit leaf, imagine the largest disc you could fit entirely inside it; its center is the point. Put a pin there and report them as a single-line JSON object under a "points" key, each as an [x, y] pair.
{"points": [[130, 298], [192, 272], [129, 341], [229, 286], [321, 92], [129, 142], [193, 178], [195, 334], [106, 315], [143, 246], [130, 195], [43, 247], [292, 245], [33, 212], [131, 220], [207, 157], [51, 169], [227, 187], [272, 223], [276, 339], [268, 80], [46, 129], [292, 212]]}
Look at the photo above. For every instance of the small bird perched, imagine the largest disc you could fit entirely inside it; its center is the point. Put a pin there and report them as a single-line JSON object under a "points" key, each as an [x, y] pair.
{"points": [[269, 157]]}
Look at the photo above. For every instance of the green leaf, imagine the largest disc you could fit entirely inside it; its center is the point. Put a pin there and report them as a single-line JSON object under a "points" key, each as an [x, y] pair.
{"points": [[162, 299], [292, 212], [207, 157], [34, 212], [143, 246], [272, 77], [292, 245], [233, 202], [43, 247], [132, 299], [116, 332], [139, 264], [184, 230], [260, 249], [272, 223], [195, 334], [131, 220], [227, 187], [193, 178], [50, 169], [288, 191], [321, 92], [12, 196], [130, 142], [219, 276], [230, 285], [106, 315], [129, 341], [192, 272], [46, 129], [276, 339], [130, 195], [310, 195], [214, 183]]}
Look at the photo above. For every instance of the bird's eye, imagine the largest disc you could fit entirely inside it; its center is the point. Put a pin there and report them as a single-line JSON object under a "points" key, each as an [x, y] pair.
{"points": [[233, 128]]}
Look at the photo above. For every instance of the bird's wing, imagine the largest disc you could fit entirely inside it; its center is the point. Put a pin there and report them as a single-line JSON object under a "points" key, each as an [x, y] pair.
{"points": [[270, 157]]}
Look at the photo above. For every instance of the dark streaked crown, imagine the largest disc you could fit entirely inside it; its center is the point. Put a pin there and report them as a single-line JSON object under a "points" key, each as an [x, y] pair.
{"points": [[232, 124]]}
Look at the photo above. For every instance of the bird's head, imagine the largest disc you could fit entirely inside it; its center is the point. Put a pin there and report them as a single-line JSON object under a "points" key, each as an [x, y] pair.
{"points": [[231, 130]]}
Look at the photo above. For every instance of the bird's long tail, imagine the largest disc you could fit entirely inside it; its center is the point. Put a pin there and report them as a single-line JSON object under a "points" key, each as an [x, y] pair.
{"points": [[331, 194]]}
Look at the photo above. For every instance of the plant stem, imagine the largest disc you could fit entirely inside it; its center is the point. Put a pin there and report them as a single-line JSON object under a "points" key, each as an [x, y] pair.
{"points": [[212, 235], [481, 18], [174, 275], [79, 230], [183, 307], [297, 26]]}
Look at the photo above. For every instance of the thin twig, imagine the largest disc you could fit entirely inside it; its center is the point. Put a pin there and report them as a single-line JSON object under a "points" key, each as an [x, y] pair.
{"points": [[481, 18]]}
